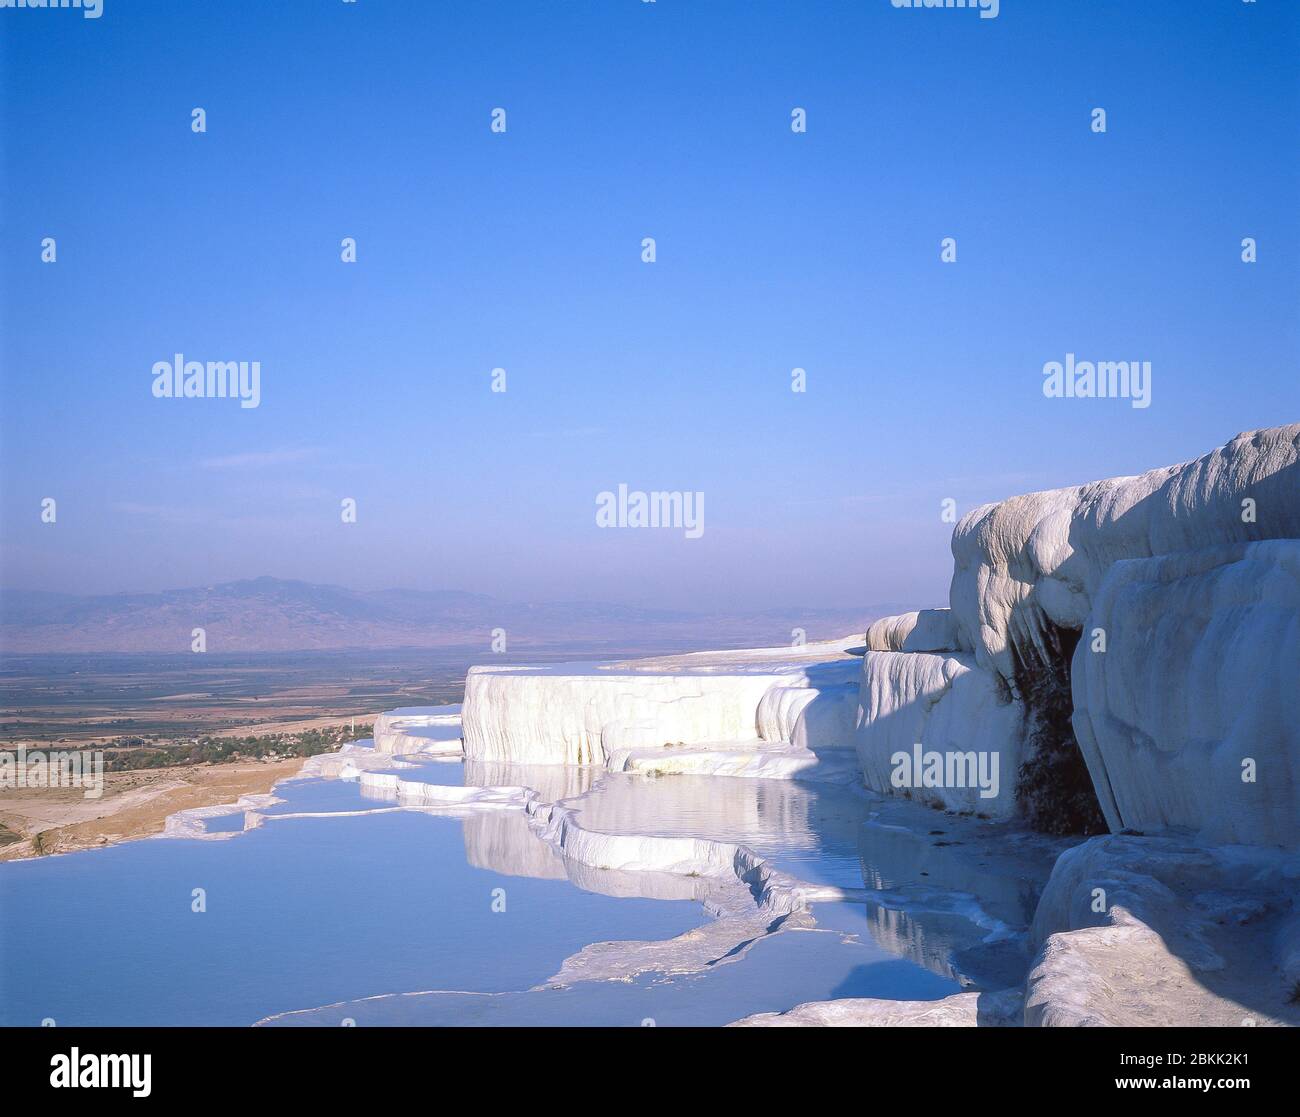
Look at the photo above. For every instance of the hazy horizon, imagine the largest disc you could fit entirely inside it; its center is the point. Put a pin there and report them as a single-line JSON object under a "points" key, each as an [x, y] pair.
{"points": [[270, 578], [273, 615]]}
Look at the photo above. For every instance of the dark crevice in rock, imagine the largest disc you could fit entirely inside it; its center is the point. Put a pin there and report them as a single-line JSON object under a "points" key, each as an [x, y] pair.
{"points": [[1055, 791]]}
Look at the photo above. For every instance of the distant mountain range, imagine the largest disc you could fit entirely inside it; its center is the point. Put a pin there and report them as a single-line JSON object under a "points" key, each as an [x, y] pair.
{"points": [[274, 615]]}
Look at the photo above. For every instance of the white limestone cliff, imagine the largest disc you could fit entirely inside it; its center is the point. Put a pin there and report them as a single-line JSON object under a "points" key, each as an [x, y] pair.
{"points": [[1187, 701], [584, 713], [1187, 691], [944, 704], [925, 630], [1041, 557], [814, 709], [547, 717], [426, 730]]}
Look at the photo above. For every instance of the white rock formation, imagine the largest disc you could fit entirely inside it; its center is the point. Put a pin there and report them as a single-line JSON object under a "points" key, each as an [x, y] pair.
{"points": [[1190, 717], [946, 705], [926, 630], [815, 709], [348, 763], [1042, 557], [427, 730], [418, 793], [192, 822], [1201, 668], [1162, 932], [583, 713], [761, 760], [546, 717], [962, 1010]]}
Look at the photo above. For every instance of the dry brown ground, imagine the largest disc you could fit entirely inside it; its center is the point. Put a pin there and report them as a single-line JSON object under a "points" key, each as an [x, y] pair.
{"points": [[134, 804]]}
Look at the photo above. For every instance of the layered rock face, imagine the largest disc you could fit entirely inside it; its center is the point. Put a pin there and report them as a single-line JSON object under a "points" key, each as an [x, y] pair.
{"points": [[926, 630], [1178, 592], [584, 714], [1187, 701], [923, 695], [546, 718], [815, 709], [1041, 558], [432, 731], [1165, 716], [932, 704]]}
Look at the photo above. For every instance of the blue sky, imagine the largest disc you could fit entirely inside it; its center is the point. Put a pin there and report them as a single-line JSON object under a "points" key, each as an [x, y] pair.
{"points": [[522, 250]]}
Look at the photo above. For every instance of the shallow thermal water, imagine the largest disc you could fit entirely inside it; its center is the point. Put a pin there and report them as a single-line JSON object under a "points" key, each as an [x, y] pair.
{"points": [[776, 973], [300, 912], [809, 830], [338, 911]]}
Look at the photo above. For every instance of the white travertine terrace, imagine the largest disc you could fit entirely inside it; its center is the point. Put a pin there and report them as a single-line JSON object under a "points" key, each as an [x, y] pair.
{"points": [[1042, 557], [1002, 1009], [815, 710], [1190, 717], [585, 713], [1201, 667], [428, 731], [946, 704], [925, 630]]}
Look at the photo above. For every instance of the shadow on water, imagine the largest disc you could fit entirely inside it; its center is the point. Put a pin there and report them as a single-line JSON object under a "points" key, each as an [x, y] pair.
{"points": [[939, 897]]}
